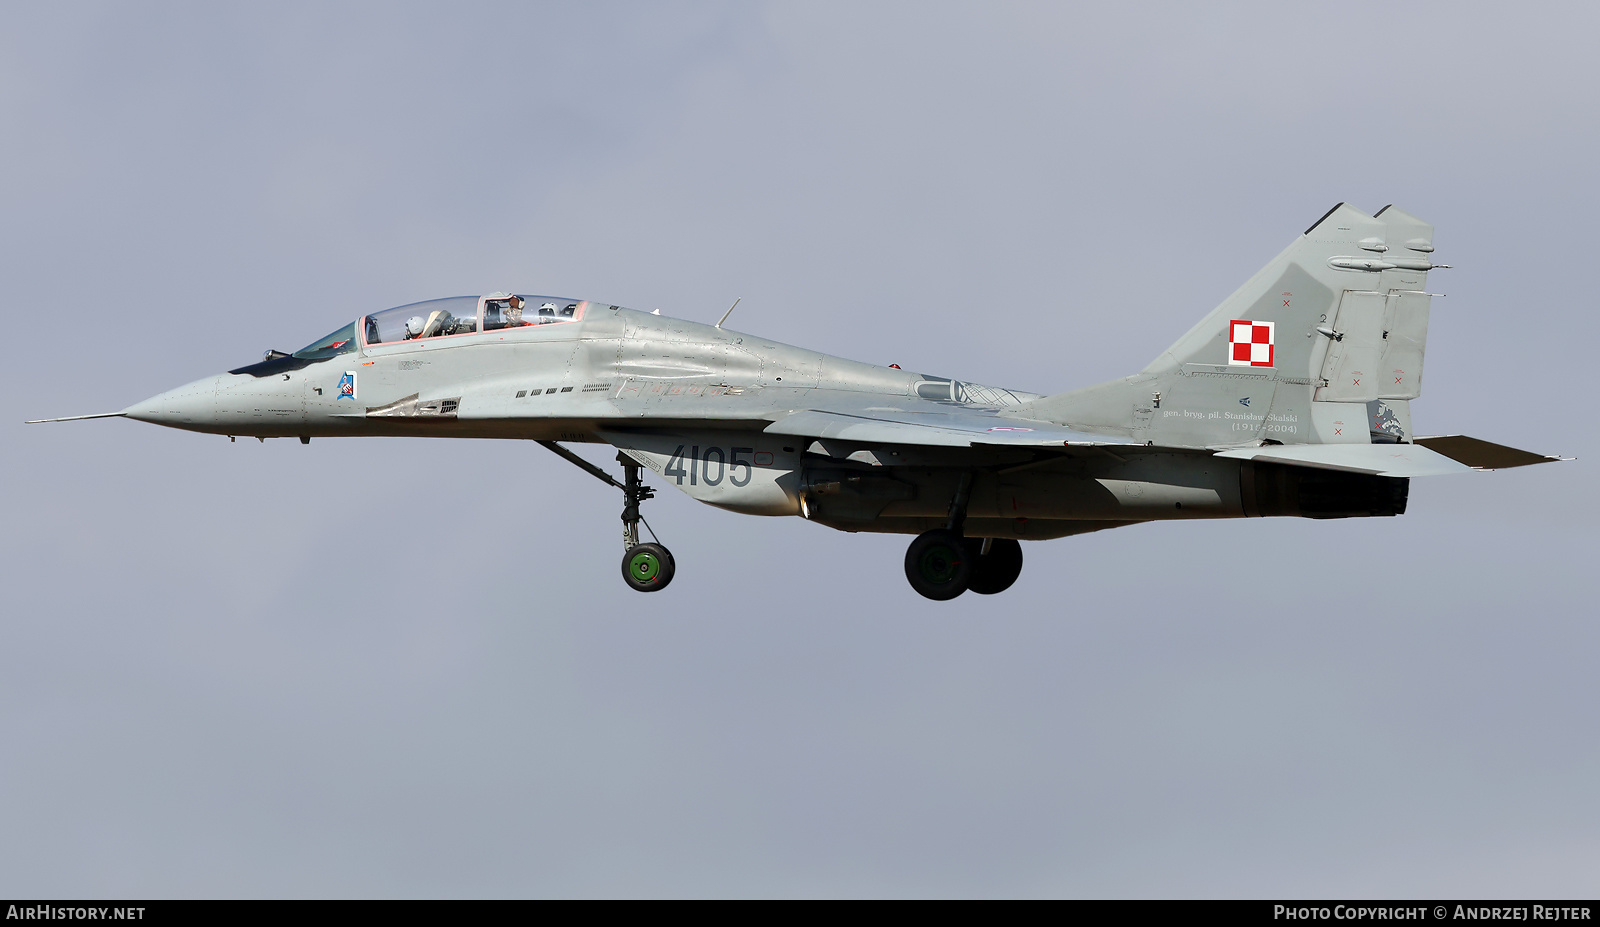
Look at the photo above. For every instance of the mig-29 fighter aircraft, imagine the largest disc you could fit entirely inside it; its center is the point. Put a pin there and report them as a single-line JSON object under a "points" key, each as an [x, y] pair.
{"points": [[1290, 398]]}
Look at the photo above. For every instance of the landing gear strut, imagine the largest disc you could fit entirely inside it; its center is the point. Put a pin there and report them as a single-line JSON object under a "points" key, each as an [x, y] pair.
{"points": [[938, 562], [942, 563], [648, 566]]}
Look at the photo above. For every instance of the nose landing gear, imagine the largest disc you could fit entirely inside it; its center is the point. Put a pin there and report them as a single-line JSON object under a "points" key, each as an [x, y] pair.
{"points": [[648, 566]]}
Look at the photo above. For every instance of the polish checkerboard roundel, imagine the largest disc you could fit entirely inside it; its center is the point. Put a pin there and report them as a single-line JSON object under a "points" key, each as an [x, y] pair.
{"points": [[1249, 343]]}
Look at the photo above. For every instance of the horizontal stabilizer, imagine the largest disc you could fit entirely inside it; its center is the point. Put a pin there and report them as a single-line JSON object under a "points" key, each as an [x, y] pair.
{"points": [[73, 418], [932, 430], [1483, 455], [1376, 459]]}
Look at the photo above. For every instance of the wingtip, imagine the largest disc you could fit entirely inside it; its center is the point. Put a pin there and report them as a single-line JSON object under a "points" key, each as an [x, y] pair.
{"points": [[1483, 455]]}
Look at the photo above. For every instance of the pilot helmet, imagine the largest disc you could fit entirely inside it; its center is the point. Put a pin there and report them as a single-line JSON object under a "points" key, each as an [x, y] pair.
{"points": [[414, 325]]}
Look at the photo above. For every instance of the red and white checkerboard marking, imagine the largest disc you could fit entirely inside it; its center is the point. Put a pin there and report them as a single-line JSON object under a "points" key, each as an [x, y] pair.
{"points": [[1249, 343]]}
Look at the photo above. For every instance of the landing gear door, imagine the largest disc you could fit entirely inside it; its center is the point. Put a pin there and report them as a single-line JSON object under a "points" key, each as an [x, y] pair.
{"points": [[742, 471], [1350, 372]]}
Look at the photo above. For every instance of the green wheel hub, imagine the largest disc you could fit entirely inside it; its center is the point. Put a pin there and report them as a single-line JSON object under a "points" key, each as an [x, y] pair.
{"points": [[645, 566]]}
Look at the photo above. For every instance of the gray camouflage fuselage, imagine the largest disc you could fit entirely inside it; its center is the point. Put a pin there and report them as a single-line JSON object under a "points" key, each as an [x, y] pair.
{"points": [[1290, 398]]}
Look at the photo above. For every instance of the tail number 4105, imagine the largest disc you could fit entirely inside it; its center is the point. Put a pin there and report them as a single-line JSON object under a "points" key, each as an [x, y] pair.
{"points": [[710, 464]]}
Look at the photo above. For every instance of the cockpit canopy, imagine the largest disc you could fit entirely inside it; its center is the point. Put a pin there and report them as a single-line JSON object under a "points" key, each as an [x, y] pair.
{"points": [[434, 318], [342, 341], [462, 315], [457, 315]]}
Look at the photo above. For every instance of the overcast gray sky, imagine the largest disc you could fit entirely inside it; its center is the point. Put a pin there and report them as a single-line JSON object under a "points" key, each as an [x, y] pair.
{"points": [[273, 670]]}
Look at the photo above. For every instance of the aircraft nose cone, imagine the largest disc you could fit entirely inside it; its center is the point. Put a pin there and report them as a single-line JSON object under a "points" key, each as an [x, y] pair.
{"points": [[188, 405]]}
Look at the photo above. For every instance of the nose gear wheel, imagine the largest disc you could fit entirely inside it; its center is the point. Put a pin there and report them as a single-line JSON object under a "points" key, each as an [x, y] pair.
{"points": [[647, 567]]}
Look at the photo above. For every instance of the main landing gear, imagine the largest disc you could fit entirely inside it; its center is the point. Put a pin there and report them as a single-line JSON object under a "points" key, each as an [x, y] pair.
{"points": [[942, 563], [648, 566]]}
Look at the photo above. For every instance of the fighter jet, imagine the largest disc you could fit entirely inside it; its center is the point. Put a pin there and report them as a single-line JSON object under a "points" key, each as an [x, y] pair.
{"points": [[1292, 397]]}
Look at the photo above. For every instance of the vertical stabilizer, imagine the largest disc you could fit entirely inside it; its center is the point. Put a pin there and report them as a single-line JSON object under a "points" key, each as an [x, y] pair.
{"points": [[1323, 345]]}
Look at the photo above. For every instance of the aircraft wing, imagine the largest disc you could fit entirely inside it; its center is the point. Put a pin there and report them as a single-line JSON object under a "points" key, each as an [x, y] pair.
{"points": [[955, 428]]}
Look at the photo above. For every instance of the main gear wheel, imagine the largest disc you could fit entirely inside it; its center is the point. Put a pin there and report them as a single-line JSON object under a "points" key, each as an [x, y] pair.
{"points": [[997, 568], [938, 564]]}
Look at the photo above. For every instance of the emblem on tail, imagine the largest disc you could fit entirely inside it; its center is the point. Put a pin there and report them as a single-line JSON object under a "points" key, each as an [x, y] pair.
{"points": [[1249, 343]]}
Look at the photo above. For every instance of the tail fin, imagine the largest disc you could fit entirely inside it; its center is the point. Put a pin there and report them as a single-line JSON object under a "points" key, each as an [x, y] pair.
{"points": [[1323, 345]]}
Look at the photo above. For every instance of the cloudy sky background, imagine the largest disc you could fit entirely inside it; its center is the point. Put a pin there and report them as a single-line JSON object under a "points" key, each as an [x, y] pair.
{"points": [[392, 667]]}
